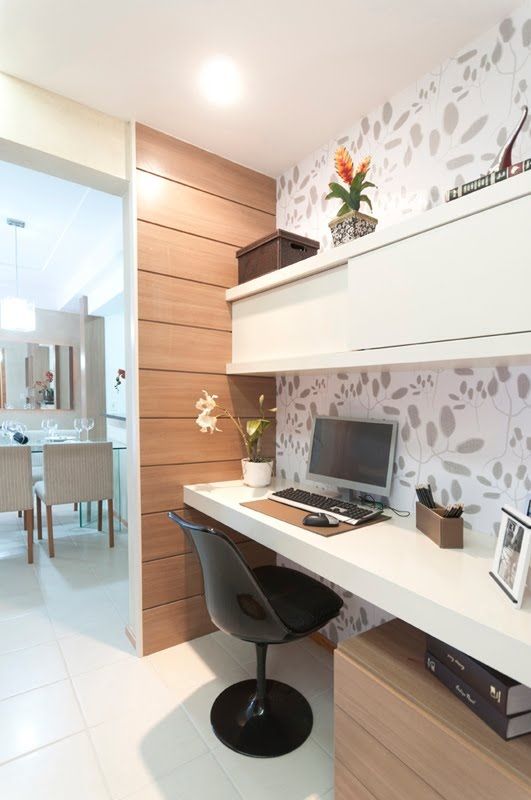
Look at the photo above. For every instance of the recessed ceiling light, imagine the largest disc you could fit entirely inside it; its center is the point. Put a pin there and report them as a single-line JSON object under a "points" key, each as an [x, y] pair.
{"points": [[220, 81]]}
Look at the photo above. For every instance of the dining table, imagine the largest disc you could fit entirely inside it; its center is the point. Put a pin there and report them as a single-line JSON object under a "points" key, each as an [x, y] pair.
{"points": [[37, 442]]}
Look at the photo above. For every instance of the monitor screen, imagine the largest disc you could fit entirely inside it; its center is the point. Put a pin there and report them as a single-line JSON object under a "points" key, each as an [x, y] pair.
{"points": [[353, 453]]}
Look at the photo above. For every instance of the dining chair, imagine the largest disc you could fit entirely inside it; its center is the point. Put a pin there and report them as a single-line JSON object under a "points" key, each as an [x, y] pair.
{"points": [[75, 473], [16, 486], [267, 605]]}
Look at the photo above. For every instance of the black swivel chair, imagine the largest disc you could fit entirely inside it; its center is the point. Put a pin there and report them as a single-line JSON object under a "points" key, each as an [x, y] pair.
{"points": [[267, 605]]}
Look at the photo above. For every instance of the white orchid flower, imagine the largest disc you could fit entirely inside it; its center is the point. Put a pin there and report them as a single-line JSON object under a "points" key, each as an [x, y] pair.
{"points": [[206, 403], [207, 422]]}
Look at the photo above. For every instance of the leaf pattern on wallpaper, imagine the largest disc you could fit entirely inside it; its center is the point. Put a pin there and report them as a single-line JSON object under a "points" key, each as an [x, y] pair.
{"points": [[467, 431], [479, 454], [443, 130]]}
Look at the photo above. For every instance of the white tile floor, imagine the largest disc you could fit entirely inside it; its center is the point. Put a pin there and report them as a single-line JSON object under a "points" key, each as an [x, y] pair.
{"points": [[81, 717]]}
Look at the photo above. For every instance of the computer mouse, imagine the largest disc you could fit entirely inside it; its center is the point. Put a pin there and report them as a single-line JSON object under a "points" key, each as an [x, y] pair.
{"points": [[320, 520]]}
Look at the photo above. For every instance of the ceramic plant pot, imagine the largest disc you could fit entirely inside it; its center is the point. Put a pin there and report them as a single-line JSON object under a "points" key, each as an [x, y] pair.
{"points": [[257, 473], [351, 226]]}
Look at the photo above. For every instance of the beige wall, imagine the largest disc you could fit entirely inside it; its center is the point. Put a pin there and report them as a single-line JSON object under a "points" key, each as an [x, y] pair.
{"points": [[39, 129]]}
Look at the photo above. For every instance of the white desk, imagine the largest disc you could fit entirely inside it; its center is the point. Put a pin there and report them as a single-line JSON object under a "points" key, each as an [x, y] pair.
{"points": [[445, 592]]}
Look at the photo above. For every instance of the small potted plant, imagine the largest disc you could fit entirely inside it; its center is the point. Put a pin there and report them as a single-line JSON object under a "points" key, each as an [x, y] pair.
{"points": [[257, 469], [350, 223]]}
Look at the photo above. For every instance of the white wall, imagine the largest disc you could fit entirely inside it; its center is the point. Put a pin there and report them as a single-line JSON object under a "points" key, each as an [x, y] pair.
{"points": [[114, 360]]}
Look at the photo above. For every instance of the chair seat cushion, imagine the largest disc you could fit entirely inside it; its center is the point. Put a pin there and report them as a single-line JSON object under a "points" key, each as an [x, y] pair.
{"points": [[302, 603]]}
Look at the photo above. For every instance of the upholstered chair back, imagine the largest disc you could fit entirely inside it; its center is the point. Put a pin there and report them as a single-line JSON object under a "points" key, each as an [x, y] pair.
{"points": [[77, 472], [16, 484]]}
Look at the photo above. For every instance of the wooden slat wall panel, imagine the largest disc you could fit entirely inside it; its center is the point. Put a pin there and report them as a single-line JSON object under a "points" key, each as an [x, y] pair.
{"points": [[182, 162], [174, 623], [175, 441], [176, 206], [176, 347], [162, 485], [178, 577], [194, 210], [180, 302], [182, 255], [173, 394], [163, 538]]}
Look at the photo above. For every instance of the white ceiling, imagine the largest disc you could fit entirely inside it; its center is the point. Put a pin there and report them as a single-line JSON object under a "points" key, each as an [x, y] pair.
{"points": [[309, 67], [72, 243]]}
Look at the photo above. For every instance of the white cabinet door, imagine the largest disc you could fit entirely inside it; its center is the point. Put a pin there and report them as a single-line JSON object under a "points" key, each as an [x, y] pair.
{"points": [[468, 278], [302, 318]]}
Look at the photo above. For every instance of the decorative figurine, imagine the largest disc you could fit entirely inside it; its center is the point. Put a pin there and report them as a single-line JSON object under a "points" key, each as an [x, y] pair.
{"points": [[504, 158]]}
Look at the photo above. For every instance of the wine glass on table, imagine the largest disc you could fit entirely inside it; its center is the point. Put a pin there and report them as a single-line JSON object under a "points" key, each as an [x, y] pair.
{"points": [[88, 424], [78, 427]]}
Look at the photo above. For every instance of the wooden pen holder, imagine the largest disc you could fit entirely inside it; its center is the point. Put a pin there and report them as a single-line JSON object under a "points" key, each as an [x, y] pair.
{"points": [[444, 531]]}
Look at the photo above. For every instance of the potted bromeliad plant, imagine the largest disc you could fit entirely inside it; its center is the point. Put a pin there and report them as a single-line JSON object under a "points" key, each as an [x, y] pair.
{"points": [[257, 469], [350, 223]]}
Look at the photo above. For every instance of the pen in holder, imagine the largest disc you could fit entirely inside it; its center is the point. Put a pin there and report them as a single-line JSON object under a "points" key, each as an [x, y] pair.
{"points": [[446, 532]]}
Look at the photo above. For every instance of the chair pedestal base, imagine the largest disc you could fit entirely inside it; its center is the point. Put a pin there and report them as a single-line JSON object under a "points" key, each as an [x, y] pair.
{"points": [[274, 727]]}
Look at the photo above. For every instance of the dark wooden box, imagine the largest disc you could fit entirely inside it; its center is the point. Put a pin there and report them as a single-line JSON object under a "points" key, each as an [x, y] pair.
{"points": [[444, 531], [277, 250]]}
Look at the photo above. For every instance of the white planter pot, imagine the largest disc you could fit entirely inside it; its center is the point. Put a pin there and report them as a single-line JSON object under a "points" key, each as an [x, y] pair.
{"points": [[257, 473]]}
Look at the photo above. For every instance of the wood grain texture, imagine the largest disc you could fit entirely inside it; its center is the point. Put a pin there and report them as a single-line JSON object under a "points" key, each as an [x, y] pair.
{"points": [[178, 441], [181, 302], [162, 538], [176, 347], [173, 394], [170, 579], [417, 735], [174, 623], [182, 255], [348, 787], [376, 768], [183, 208], [162, 486], [394, 654], [163, 155], [194, 211]]}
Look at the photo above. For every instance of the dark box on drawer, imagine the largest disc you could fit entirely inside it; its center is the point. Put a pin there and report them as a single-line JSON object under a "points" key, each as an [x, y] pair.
{"points": [[277, 250]]}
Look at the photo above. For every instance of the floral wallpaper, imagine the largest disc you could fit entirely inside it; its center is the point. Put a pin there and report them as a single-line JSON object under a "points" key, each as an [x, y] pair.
{"points": [[466, 431], [442, 131]]}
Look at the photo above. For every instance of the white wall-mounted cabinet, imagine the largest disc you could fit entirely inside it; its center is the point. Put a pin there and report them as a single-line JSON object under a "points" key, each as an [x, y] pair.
{"points": [[450, 287]]}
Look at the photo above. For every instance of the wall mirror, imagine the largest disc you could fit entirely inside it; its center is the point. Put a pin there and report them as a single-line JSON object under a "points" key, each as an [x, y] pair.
{"points": [[36, 376]]}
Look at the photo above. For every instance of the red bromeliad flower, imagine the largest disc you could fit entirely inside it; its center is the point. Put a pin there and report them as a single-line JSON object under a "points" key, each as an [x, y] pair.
{"points": [[49, 376], [344, 165], [121, 373], [364, 165], [355, 192]]}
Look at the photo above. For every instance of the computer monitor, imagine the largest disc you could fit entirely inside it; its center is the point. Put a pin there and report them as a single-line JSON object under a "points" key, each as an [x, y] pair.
{"points": [[353, 454]]}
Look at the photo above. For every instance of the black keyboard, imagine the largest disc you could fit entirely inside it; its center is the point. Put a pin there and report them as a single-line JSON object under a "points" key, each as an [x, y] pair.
{"points": [[309, 501]]}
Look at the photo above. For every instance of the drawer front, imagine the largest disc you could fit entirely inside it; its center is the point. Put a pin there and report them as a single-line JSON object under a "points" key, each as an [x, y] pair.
{"points": [[445, 283], [347, 786], [444, 761], [377, 768]]}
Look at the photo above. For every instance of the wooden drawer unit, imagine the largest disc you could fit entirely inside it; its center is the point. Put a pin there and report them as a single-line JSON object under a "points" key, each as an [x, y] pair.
{"points": [[404, 736], [347, 786]]}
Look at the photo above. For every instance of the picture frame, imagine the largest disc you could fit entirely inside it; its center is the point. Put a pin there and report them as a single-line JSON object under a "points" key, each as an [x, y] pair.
{"points": [[512, 555]]}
